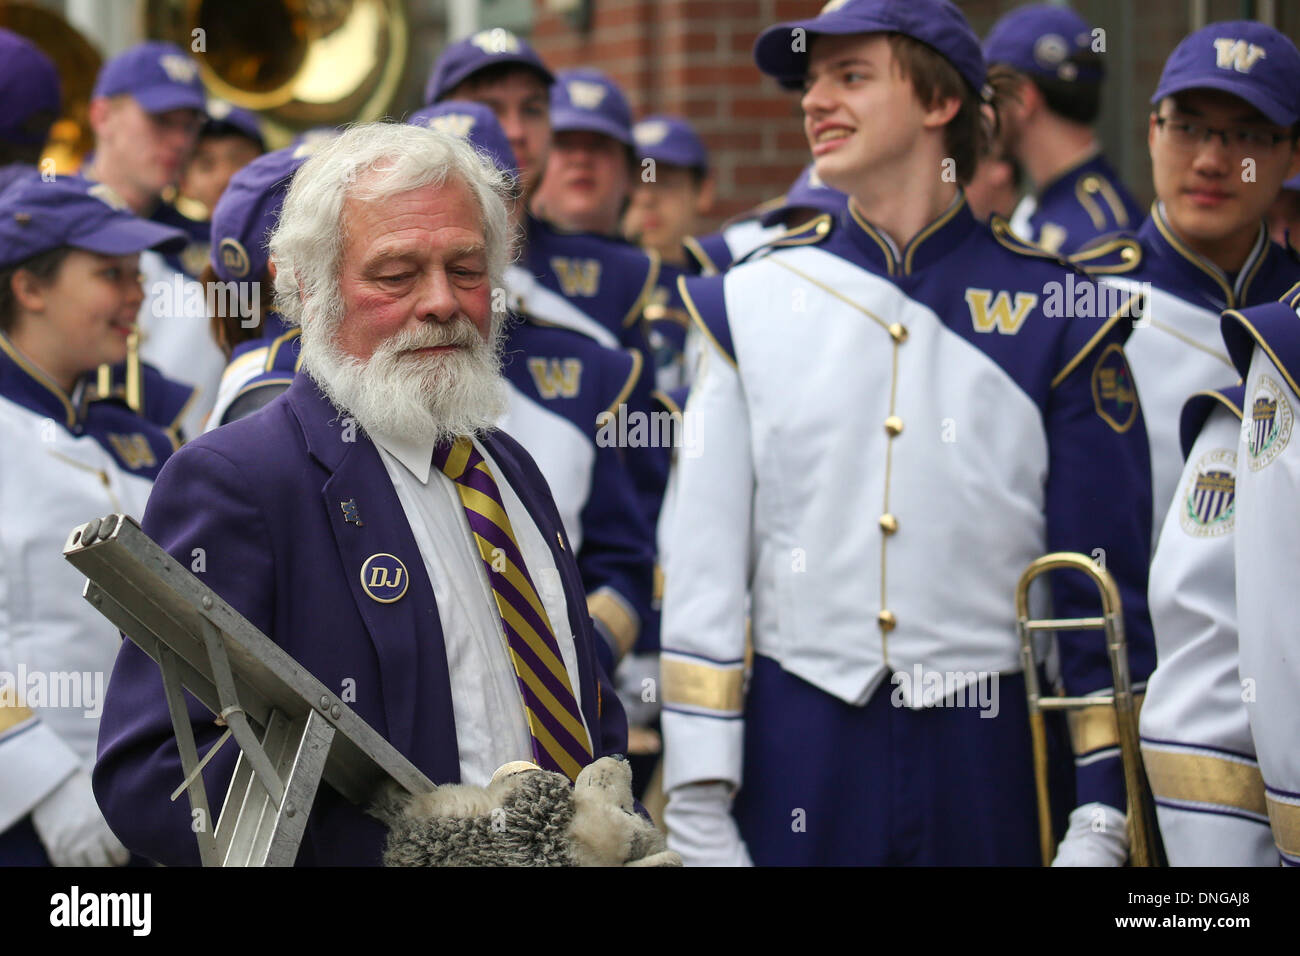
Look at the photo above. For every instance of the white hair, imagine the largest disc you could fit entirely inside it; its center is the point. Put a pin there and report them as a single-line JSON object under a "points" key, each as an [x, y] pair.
{"points": [[392, 393], [367, 162]]}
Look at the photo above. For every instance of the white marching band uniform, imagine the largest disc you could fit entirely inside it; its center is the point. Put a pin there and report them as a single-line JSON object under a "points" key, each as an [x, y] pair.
{"points": [[1265, 345], [1196, 740]]}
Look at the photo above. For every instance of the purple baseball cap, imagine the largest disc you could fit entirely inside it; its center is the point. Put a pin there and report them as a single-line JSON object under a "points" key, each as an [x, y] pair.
{"points": [[1043, 40], [670, 140], [161, 77], [247, 212], [484, 49], [225, 118], [782, 52], [807, 192], [30, 92], [1247, 59], [587, 100], [37, 216], [473, 122]]}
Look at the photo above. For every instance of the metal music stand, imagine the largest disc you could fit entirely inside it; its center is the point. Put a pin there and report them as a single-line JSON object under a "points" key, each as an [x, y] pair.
{"points": [[292, 731]]}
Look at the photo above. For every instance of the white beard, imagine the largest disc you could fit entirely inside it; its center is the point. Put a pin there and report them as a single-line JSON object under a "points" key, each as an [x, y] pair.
{"points": [[431, 398]]}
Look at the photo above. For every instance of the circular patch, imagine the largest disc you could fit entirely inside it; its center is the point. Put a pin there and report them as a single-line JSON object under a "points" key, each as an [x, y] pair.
{"points": [[384, 578], [1271, 419], [1209, 499], [234, 258]]}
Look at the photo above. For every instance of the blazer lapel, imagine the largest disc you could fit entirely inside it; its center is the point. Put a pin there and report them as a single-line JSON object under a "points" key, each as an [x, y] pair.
{"points": [[392, 592]]}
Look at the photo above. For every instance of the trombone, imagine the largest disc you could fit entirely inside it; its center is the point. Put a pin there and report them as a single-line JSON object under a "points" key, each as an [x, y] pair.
{"points": [[1141, 830]]}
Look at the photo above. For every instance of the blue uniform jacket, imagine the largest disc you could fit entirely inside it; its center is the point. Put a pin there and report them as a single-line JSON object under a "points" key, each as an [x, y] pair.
{"points": [[262, 498]]}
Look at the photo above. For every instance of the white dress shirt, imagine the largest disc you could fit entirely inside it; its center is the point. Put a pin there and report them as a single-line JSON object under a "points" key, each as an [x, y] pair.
{"points": [[491, 728]]}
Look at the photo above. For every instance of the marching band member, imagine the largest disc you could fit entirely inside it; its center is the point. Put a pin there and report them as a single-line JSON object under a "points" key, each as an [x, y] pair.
{"points": [[1264, 343], [262, 347], [69, 291], [1196, 740], [1048, 53], [229, 140], [1222, 140], [894, 361], [146, 112]]}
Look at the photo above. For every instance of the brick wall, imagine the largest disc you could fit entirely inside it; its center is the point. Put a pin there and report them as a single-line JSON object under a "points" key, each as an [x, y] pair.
{"points": [[693, 58]]}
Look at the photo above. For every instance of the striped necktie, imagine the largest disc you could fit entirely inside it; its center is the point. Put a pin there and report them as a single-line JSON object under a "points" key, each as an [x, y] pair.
{"points": [[559, 738]]}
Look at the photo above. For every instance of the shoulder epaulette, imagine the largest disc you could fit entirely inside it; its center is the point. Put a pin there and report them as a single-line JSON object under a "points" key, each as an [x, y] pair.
{"points": [[705, 301], [1091, 185], [629, 383], [1274, 327], [1112, 254], [1001, 230], [1197, 408], [811, 232]]}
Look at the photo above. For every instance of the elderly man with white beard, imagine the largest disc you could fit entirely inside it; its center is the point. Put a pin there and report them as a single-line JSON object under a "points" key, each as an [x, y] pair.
{"points": [[370, 520]]}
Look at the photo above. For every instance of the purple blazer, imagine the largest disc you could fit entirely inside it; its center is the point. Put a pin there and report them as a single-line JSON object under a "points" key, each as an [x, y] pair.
{"points": [[262, 498]]}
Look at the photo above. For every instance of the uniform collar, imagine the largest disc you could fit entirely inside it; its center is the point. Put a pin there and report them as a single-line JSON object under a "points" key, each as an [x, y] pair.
{"points": [[22, 382], [1092, 161], [931, 244], [1193, 271]]}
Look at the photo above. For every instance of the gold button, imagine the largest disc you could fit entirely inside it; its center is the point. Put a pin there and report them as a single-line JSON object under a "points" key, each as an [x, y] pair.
{"points": [[823, 227], [886, 620], [888, 523], [893, 425], [898, 332]]}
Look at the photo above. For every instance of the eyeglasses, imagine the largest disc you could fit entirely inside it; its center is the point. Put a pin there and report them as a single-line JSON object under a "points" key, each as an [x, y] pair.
{"points": [[1240, 139]]}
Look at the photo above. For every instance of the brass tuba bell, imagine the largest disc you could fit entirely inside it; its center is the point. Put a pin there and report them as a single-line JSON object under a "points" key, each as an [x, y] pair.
{"points": [[299, 63]]}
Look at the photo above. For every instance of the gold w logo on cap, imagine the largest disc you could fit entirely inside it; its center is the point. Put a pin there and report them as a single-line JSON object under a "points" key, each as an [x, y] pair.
{"points": [[179, 69], [457, 124], [584, 94], [1233, 54]]}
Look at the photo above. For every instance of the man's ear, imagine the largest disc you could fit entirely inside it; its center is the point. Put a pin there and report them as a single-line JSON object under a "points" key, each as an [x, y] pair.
{"points": [[941, 112], [100, 110], [704, 196]]}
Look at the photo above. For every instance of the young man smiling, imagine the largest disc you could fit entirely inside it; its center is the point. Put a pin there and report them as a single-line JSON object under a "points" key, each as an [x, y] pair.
{"points": [[1222, 141], [892, 430]]}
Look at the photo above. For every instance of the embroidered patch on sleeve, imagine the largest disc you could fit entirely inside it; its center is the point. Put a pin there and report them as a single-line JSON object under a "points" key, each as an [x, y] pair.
{"points": [[1113, 393], [1209, 498], [1271, 419]]}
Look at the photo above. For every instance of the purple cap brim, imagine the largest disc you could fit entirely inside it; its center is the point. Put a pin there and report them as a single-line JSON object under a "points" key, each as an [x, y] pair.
{"points": [[161, 99], [570, 121], [441, 87], [123, 237], [1249, 92]]}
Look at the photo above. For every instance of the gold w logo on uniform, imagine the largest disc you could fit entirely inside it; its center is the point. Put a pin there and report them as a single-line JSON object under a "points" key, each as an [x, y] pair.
{"points": [[1232, 54], [1000, 314], [134, 450], [556, 378], [577, 276]]}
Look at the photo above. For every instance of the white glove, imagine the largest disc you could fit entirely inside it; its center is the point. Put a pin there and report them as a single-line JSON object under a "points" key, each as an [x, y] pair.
{"points": [[701, 828], [1097, 836], [630, 682], [73, 830]]}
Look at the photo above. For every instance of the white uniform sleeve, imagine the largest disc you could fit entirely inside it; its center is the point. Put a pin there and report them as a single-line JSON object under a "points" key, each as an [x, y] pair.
{"points": [[1196, 739], [1268, 598], [707, 535], [34, 760]]}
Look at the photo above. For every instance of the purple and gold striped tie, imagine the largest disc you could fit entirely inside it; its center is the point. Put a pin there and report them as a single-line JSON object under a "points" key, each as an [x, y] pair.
{"points": [[559, 738]]}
